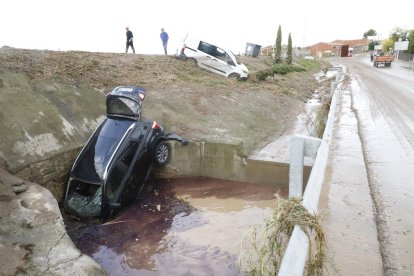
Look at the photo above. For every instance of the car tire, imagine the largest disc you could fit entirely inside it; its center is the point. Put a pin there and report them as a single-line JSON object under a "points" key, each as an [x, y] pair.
{"points": [[162, 153], [234, 76], [192, 61]]}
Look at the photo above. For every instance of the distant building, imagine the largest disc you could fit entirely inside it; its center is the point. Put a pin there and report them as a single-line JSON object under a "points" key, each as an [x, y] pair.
{"points": [[339, 48], [268, 50], [296, 51]]}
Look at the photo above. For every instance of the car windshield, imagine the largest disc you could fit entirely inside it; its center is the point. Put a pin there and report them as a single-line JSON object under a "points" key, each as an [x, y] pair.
{"points": [[123, 107], [101, 147]]}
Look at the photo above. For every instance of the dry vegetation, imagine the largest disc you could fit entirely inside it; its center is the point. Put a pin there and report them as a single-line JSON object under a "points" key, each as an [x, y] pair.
{"points": [[263, 249]]}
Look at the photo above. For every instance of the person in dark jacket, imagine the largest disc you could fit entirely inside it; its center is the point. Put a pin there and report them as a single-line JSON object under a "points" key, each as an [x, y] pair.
{"points": [[164, 39], [129, 41]]}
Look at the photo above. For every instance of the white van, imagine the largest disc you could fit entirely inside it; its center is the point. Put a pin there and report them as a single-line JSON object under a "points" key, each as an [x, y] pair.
{"points": [[212, 58]]}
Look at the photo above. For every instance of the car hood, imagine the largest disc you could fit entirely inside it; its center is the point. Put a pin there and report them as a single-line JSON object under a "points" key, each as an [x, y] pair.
{"points": [[96, 154]]}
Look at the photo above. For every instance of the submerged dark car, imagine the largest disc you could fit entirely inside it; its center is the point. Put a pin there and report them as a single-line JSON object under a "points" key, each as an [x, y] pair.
{"points": [[116, 162]]}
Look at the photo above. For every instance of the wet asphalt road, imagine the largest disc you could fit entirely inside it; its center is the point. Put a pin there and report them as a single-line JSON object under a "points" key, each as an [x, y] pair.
{"points": [[383, 101]]}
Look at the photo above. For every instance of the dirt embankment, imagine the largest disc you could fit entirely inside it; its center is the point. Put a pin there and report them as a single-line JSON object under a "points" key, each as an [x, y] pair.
{"points": [[52, 101]]}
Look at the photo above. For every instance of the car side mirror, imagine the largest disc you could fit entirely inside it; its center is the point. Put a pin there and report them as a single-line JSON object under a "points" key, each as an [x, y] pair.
{"points": [[231, 63]]}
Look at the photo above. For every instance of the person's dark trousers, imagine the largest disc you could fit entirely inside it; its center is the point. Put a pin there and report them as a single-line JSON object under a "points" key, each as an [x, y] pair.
{"points": [[127, 46]]}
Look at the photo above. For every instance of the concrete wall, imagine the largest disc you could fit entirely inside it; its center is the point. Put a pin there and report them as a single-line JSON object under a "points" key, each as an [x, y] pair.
{"points": [[41, 119], [225, 161], [207, 159]]}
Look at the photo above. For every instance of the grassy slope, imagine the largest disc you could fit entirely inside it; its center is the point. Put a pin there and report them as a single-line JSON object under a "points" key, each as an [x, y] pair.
{"points": [[185, 99]]}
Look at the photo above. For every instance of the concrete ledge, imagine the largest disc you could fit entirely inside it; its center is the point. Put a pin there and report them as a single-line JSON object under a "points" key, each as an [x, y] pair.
{"points": [[225, 161]]}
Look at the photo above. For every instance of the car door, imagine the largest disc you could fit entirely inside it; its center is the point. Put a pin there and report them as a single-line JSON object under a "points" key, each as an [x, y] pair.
{"points": [[112, 188], [127, 174], [120, 179], [206, 57], [142, 163], [222, 62]]}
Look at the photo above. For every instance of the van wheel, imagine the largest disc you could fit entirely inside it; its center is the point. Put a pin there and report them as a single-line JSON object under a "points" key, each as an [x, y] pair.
{"points": [[234, 76], [193, 61], [161, 153]]}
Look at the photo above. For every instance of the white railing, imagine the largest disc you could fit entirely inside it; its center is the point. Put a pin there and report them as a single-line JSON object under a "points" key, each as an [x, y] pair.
{"points": [[296, 254]]}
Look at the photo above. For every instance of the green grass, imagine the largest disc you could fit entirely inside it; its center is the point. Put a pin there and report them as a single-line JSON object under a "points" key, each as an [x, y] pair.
{"points": [[299, 65]]}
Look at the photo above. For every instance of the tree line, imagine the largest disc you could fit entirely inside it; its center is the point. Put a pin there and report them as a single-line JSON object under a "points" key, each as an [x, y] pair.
{"points": [[278, 48], [396, 34]]}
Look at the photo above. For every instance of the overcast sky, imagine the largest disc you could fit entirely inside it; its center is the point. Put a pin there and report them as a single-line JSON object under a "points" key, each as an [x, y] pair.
{"points": [[99, 26]]}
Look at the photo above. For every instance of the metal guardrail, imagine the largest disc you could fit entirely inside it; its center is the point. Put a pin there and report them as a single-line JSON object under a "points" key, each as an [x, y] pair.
{"points": [[296, 254]]}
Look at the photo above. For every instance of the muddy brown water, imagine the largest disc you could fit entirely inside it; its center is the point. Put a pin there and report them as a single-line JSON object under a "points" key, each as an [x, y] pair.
{"points": [[186, 226]]}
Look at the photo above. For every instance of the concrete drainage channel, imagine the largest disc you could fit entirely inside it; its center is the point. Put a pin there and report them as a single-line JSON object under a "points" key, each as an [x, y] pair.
{"points": [[197, 159], [216, 161], [226, 162]]}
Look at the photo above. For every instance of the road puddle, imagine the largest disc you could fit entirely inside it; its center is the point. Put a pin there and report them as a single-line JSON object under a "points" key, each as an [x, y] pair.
{"points": [[186, 226]]}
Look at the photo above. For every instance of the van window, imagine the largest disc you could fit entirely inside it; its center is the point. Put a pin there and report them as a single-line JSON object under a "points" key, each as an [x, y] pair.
{"points": [[215, 52], [207, 48], [221, 54]]}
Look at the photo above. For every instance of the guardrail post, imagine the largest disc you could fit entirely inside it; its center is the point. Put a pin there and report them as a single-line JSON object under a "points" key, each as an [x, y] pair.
{"points": [[295, 256], [333, 86], [300, 146], [297, 146], [337, 78]]}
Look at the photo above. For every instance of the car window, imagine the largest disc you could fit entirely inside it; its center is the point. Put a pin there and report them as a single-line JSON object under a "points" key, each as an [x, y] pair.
{"points": [[114, 181], [107, 141], [207, 48], [221, 54], [124, 107], [129, 151]]}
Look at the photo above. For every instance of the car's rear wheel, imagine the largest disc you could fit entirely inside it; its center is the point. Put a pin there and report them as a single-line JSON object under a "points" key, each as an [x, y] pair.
{"points": [[193, 61], [162, 153]]}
